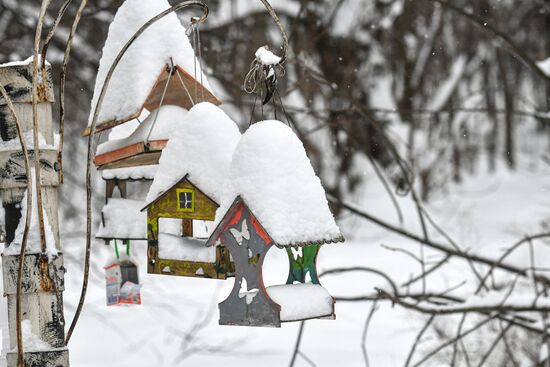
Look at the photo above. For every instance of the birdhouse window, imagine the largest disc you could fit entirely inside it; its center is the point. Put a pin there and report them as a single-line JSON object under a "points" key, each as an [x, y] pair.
{"points": [[186, 200]]}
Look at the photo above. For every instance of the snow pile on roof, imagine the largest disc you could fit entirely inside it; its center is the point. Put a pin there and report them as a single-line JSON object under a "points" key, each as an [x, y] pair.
{"points": [[31, 342], [130, 173], [273, 175], [175, 247], [266, 57], [301, 301], [123, 219], [141, 65], [202, 148], [33, 239], [544, 65], [167, 123]]}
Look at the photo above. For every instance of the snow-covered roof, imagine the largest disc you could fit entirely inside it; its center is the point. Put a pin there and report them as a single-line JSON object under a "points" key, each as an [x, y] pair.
{"points": [[130, 173], [140, 67], [202, 149], [122, 219], [168, 121], [272, 174]]}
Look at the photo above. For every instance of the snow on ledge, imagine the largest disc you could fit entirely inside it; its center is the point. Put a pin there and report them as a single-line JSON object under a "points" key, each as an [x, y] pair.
{"points": [[301, 301]]}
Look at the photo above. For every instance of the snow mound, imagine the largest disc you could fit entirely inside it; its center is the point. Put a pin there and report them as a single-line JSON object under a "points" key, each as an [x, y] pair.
{"points": [[185, 249], [123, 219], [139, 68], [301, 301], [266, 57], [33, 239], [271, 172], [31, 342], [202, 148], [168, 121]]}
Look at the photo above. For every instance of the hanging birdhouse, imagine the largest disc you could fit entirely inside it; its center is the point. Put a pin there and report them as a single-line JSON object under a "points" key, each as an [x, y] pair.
{"points": [[274, 199], [159, 68], [122, 280], [182, 201]]}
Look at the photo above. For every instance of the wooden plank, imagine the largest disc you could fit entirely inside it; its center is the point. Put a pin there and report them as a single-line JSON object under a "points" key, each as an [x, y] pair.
{"points": [[125, 157], [17, 80], [12, 168], [32, 279], [8, 129], [58, 357]]}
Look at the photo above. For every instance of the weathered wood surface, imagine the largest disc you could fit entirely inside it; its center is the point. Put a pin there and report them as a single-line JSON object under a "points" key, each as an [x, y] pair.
{"points": [[32, 280], [248, 304], [24, 113], [54, 358], [12, 168], [17, 80]]}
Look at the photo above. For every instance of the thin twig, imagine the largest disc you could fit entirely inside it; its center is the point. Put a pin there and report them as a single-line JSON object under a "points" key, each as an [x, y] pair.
{"points": [[373, 309], [49, 37], [297, 345]]}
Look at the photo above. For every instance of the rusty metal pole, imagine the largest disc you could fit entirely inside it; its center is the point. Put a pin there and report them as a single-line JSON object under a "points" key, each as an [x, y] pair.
{"points": [[43, 276]]}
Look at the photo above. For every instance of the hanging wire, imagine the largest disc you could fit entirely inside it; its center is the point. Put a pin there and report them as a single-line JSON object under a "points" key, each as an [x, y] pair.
{"points": [[170, 73], [193, 31], [184, 86]]}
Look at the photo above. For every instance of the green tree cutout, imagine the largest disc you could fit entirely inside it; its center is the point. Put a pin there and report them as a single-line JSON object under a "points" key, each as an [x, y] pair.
{"points": [[302, 262]]}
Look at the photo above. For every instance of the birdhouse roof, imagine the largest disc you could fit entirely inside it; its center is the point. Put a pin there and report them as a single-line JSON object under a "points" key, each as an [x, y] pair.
{"points": [[155, 130], [142, 69], [272, 174], [202, 149]]}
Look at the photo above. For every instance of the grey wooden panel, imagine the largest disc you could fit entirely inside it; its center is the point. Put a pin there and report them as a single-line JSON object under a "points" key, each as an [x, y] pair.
{"points": [[31, 273], [17, 80], [12, 168], [251, 306]]}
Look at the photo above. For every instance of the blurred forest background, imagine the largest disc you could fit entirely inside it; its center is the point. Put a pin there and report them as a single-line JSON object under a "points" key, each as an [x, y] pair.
{"points": [[355, 68], [399, 93]]}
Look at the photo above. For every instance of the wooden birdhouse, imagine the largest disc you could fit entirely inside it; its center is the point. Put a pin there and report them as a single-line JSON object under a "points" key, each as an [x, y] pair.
{"points": [[158, 70], [278, 201], [182, 201]]}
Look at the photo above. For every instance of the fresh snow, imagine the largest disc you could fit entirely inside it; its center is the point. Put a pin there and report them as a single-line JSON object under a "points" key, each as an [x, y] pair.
{"points": [[31, 342], [33, 239], [144, 60], [123, 219], [185, 248], [266, 57], [544, 65], [25, 62], [273, 175], [167, 123], [130, 173], [301, 301], [15, 144], [202, 148]]}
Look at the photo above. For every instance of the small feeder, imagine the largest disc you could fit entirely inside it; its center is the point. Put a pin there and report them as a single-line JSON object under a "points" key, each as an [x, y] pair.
{"points": [[122, 280], [277, 200], [186, 189]]}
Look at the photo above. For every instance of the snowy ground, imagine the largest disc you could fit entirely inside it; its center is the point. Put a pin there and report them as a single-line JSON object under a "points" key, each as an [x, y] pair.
{"points": [[484, 213]]}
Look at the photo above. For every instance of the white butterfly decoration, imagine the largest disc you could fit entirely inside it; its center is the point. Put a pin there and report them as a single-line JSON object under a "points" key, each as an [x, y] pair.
{"points": [[249, 294], [243, 233]]}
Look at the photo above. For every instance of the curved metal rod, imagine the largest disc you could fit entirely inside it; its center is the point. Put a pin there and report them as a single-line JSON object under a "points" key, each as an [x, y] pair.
{"points": [[63, 77], [91, 147], [281, 28], [49, 37]]}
